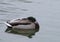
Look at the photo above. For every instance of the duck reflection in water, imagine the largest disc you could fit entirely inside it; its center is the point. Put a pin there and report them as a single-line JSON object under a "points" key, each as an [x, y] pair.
{"points": [[25, 26]]}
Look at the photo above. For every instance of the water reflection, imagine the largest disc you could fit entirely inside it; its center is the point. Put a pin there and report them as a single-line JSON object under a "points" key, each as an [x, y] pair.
{"points": [[5, 3], [25, 32], [25, 1], [24, 9], [3, 11]]}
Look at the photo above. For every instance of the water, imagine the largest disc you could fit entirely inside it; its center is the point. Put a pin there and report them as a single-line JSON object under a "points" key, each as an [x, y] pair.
{"points": [[47, 13]]}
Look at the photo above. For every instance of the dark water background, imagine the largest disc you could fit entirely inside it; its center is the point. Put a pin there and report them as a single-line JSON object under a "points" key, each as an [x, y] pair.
{"points": [[47, 13]]}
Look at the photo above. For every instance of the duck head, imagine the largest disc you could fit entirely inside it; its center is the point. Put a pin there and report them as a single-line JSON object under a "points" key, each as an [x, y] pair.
{"points": [[32, 19]]}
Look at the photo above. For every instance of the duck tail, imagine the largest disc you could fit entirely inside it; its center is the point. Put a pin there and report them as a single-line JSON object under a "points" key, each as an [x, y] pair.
{"points": [[7, 24]]}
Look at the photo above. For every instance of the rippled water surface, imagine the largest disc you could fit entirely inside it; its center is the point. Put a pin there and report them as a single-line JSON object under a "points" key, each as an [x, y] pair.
{"points": [[47, 13]]}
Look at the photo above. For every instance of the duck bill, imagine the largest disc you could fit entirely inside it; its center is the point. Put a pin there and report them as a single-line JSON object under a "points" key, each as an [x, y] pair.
{"points": [[7, 24]]}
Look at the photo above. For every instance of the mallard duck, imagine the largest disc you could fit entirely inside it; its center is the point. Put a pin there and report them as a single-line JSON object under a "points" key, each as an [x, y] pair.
{"points": [[24, 23]]}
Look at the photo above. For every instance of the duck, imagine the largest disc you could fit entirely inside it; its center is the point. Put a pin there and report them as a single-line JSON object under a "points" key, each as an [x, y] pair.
{"points": [[24, 23]]}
